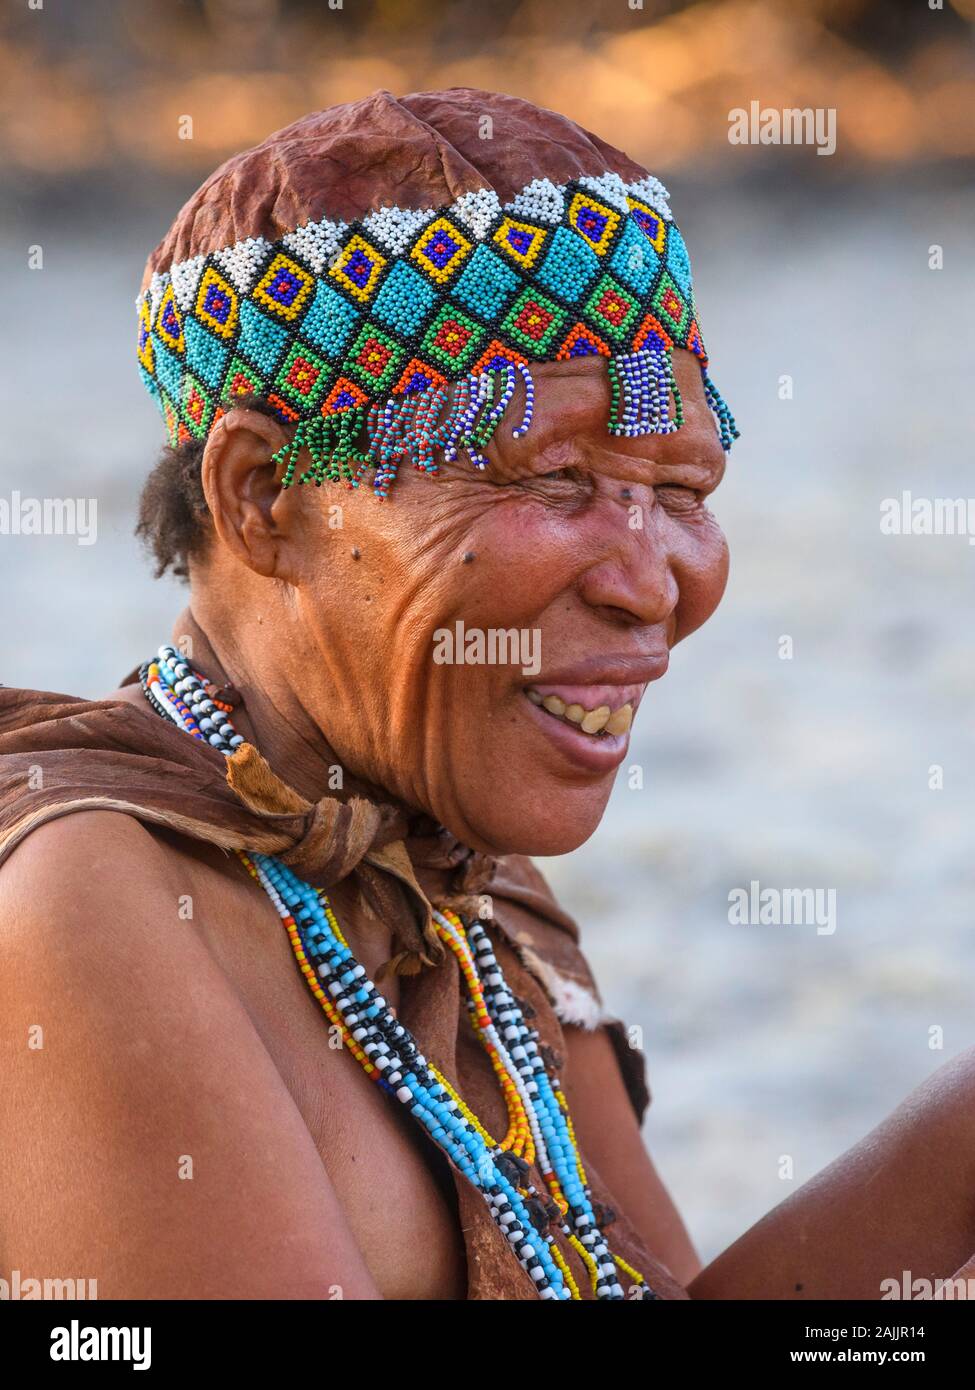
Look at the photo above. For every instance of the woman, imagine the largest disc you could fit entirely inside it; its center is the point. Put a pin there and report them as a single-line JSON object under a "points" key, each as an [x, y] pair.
{"points": [[369, 714]]}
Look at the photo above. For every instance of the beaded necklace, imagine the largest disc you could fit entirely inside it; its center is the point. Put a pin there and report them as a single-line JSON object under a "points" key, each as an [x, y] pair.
{"points": [[539, 1125]]}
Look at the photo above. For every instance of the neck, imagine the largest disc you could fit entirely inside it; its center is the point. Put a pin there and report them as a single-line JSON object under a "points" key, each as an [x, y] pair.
{"points": [[271, 717], [270, 714]]}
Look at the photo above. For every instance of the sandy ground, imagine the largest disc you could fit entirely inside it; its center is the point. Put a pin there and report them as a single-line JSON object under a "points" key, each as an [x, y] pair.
{"points": [[763, 1041]]}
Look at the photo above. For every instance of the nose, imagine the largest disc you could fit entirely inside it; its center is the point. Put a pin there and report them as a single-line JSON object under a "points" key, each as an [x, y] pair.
{"points": [[633, 580]]}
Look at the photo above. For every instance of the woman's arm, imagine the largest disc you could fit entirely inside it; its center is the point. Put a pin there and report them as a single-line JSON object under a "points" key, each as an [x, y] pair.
{"points": [[896, 1207], [609, 1134], [148, 1142]]}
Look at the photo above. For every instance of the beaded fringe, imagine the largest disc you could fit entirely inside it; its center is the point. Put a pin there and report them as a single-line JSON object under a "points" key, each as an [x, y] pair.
{"points": [[347, 442], [642, 384], [727, 428]]}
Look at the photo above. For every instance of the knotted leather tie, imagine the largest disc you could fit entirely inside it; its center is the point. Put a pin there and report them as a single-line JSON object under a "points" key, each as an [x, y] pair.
{"points": [[343, 839]]}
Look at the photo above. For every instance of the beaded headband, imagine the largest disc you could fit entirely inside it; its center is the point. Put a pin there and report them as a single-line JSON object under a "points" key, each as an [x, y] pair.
{"points": [[405, 331]]}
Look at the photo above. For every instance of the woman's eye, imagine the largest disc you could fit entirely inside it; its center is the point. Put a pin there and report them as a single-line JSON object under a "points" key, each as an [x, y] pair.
{"points": [[560, 486], [559, 475], [678, 498]]}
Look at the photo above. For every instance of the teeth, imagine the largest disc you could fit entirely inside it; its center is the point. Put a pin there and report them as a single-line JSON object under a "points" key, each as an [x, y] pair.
{"points": [[620, 721], [595, 720]]}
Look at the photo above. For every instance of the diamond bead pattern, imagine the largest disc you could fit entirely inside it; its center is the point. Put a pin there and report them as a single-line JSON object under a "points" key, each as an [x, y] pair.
{"points": [[336, 317]]}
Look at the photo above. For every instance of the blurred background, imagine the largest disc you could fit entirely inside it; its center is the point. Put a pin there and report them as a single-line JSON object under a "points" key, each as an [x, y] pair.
{"points": [[848, 362]]}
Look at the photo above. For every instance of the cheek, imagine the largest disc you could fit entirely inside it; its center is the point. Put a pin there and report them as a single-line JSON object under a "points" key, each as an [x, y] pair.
{"points": [[700, 565], [380, 594], [346, 606], [518, 556], [525, 556]]}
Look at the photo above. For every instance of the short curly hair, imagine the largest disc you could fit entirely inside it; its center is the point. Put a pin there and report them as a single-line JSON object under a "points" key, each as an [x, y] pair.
{"points": [[174, 520]]}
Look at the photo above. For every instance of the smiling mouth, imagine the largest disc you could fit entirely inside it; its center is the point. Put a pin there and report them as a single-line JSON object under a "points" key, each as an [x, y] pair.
{"points": [[598, 721]]}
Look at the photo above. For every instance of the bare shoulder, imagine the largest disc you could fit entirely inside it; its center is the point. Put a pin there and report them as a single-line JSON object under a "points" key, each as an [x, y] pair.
{"points": [[89, 889], [80, 858], [143, 1126]]}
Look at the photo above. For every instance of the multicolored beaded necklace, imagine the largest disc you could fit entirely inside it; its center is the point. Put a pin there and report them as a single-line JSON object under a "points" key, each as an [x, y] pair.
{"points": [[539, 1125]]}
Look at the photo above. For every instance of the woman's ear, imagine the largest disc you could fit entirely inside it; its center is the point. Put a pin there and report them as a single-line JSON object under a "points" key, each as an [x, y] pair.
{"points": [[250, 511]]}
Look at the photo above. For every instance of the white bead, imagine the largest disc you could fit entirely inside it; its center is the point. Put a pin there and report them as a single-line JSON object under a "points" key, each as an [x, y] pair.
{"points": [[185, 277], [608, 188], [395, 229]]}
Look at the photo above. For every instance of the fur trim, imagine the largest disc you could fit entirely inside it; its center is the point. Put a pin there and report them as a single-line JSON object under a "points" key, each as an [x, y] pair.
{"points": [[572, 1002]]}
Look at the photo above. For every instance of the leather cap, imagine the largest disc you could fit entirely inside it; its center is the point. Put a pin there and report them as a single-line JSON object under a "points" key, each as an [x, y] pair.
{"points": [[419, 151]]}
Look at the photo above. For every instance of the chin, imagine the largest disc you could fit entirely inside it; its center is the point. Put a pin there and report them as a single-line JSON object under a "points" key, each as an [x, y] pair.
{"points": [[550, 823]]}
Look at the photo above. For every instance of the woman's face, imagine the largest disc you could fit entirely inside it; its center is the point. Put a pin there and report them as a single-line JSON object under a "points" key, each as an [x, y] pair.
{"points": [[573, 562]]}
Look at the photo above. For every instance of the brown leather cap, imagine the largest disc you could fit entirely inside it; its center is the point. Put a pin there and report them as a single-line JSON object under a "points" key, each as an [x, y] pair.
{"points": [[418, 151]]}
